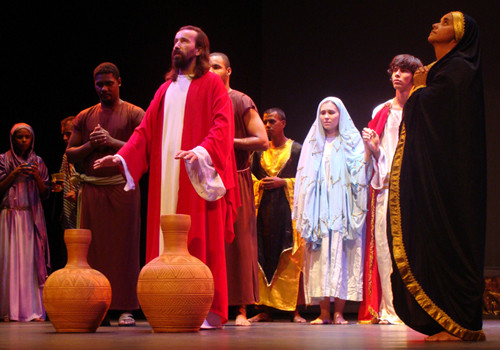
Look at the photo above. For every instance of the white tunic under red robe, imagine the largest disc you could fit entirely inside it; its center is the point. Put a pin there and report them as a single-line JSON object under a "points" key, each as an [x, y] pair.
{"points": [[377, 302]]}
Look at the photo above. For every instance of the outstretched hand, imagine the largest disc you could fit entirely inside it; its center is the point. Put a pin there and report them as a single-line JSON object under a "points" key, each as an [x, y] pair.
{"points": [[107, 161], [190, 156]]}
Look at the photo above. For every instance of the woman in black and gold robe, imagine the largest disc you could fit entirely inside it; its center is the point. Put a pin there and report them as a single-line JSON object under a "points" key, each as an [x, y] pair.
{"points": [[437, 203]]}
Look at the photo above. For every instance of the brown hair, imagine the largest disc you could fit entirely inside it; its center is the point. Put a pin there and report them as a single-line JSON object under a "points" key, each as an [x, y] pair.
{"points": [[67, 120], [404, 61], [202, 61]]}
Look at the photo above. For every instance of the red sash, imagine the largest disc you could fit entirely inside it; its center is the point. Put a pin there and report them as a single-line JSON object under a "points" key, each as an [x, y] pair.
{"points": [[369, 307]]}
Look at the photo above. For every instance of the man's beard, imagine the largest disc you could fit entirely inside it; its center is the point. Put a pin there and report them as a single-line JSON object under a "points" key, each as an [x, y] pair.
{"points": [[180, 61]]}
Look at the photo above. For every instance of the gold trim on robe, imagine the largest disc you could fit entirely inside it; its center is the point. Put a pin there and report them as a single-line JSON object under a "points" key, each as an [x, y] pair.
{"points": [[370, 240], [282, 291], [399, 253]]}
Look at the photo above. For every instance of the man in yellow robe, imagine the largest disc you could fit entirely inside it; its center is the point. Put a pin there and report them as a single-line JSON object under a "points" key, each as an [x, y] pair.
{"points": [[279, 246]]}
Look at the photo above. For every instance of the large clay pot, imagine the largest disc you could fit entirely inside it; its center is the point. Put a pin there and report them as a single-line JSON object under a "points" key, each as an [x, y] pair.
{"points": [[175, 290], [77, 297]]}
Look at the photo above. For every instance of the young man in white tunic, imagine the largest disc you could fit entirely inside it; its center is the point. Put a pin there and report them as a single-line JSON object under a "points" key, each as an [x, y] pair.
{"points": [[386, 118]]}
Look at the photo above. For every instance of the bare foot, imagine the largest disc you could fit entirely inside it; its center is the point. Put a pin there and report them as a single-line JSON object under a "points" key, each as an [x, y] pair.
{"points": [[442, 336], [383, 322], [38, 320], [241, 320], [338, 318], [298, 319], [262, 317], [320, 320]]}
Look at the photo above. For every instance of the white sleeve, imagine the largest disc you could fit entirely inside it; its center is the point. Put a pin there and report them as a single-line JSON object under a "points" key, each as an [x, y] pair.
{"points": [[380, 170], [204, 177], [130, 185]]}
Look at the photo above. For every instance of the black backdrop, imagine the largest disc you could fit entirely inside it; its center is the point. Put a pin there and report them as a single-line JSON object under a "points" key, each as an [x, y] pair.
{"points": [[282, 54]]}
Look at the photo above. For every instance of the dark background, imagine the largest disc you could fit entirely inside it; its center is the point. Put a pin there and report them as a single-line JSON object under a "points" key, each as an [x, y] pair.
{"points": [[282, 54]]}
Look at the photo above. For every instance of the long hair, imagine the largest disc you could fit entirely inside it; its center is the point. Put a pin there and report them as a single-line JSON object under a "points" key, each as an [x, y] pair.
{"points": [[202, 61]]}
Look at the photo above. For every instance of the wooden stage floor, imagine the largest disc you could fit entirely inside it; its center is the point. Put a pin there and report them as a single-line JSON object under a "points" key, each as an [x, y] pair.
{"points": [[275, 335]]}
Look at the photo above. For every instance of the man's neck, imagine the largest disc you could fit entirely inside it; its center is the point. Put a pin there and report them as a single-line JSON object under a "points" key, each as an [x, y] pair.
{"points": [[189, 70], [400, 99], [110, 105], [278, 141]]}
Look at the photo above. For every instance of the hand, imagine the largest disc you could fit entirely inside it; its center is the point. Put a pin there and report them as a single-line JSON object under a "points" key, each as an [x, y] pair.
{"points": [[107, 161], [420, 76], [269, 183], [34, 170], [371, 140], [56, 187], [71, 196], [186, 155], [23, 170], [100, 137]]}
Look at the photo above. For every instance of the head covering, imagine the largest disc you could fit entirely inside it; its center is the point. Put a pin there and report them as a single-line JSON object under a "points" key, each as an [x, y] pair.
{"points": [[458, 24], [348, 133], [468, 46], [467, 51], [31, 154], [315, 212]]}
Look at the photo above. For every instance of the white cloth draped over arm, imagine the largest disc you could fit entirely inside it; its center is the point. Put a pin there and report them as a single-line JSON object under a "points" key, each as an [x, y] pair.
{"points": [[130, 185], [204, 177]]}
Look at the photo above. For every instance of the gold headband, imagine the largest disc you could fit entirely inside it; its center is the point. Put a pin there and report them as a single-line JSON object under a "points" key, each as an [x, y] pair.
{"points": [[458, 25]]}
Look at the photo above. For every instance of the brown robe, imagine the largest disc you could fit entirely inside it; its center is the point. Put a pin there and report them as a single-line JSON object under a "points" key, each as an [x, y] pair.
{"points": [[241, 254], [112, 214]]}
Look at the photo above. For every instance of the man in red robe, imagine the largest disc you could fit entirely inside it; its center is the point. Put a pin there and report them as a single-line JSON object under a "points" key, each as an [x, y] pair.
{"points": [[190, 119]]}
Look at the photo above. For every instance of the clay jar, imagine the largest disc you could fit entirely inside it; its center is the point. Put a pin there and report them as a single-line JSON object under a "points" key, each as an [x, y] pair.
{"points": [[175, 290], [77, 297]]}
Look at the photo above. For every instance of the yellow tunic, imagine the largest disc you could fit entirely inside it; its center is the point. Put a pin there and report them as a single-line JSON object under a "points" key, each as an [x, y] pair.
{"points": [[282, 291]]}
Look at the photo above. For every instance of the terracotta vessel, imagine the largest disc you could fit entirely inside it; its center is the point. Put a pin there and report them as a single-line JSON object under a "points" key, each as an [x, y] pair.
{"points": [[175, 290], [76, 297]]}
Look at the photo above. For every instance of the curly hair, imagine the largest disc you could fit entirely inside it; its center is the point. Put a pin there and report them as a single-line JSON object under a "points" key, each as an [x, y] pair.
{"points": [[404, 61]]}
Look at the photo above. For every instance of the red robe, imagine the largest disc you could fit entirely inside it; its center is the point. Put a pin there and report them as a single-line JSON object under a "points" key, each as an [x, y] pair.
{"points": [[372, 293], [208, 122]]}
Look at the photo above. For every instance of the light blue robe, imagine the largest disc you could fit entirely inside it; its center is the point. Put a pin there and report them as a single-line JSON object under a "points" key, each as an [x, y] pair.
{"points": [[330, 209]]}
